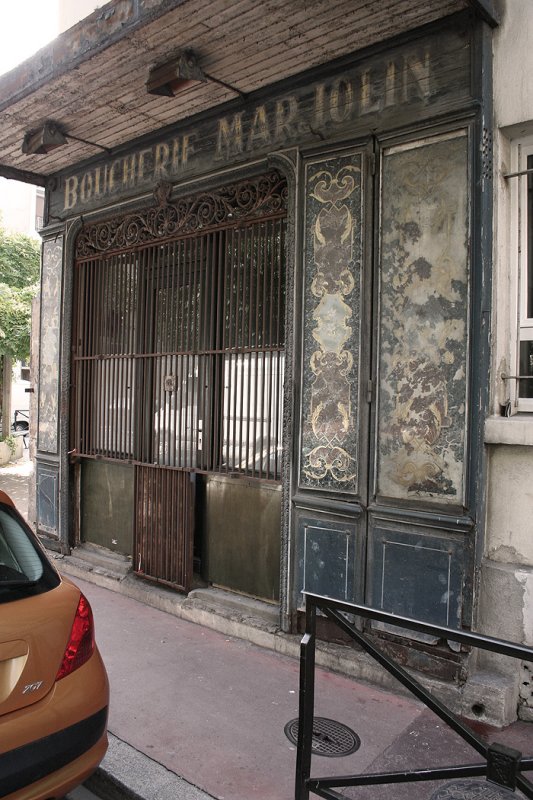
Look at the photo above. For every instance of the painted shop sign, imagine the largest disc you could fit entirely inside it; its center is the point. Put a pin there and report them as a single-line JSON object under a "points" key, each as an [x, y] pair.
{"points": [[425, 76]]}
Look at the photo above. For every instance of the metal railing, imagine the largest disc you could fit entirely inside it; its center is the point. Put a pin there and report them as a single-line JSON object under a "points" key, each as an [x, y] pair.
{"points": [[502, 765]]}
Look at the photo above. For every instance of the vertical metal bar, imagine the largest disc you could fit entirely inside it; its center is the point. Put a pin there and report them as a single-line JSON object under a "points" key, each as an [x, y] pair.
{"points": [[98, 365], [136, 376], [81, 294], [250, 442], [123, 450], [218, 393], [183, 289], [273, 310], [121, 321], [106, 363], [265, 342], [280, 337], [235, 324], [111, 315], [188, 382], [83, 298], [229, 284], [241, 334], [306, 703], [123, 360], [258, 394], [84, 295], [148, 410], [201, 391], [228, 316], [95, 389], [171, 346], [195, 367], [112, 348], [202, 422]]}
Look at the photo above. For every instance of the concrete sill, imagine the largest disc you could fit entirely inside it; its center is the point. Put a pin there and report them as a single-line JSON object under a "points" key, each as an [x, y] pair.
{"points": [[517, 430]]}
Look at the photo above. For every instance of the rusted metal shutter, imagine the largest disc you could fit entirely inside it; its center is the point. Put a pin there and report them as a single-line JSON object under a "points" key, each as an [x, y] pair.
{"points": [[164, 517]]}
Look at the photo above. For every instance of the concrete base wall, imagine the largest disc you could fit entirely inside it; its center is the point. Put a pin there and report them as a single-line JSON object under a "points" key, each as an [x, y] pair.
{"points": [[505, 602]]}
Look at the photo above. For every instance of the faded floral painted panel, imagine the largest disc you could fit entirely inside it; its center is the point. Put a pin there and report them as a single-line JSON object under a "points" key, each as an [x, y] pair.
{"points": [[333, 252], [424, 321], [50, 343]]}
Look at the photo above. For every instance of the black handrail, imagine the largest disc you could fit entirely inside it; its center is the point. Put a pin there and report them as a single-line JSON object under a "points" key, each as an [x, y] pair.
{"points": [[502, 765]]}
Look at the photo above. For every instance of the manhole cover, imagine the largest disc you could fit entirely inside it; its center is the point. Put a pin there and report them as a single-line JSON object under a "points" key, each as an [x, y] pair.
{"points": [[472, 790], [330, 738]]}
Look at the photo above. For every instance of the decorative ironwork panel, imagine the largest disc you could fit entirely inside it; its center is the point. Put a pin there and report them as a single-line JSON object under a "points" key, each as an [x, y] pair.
{"points": [[258, 197], [52, 261], [424, 320], [47, 480], [333, 254]]}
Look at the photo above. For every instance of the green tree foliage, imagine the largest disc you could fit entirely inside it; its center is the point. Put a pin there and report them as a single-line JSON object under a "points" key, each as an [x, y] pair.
{"points": [[15, 321], [19, 274]]}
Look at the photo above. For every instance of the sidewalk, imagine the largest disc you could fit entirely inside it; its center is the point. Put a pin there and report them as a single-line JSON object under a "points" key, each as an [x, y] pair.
{"points": [[14, 479], [197, 714], [193, 704]]}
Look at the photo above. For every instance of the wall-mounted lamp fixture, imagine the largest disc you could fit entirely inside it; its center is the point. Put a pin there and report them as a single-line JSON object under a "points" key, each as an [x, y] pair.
{"points": [[49, 136], [172, 77], [44, 139]]}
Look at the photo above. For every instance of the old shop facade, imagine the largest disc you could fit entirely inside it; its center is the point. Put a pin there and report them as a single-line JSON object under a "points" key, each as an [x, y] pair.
{"points": [[264, 341]]}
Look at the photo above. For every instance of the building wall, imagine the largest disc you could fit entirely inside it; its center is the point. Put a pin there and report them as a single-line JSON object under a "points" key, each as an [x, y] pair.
{"points": [[429, 516], [506, 585], [17, 207]]}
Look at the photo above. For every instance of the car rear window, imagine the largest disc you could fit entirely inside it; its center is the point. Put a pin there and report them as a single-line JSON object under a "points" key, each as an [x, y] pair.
{"points": [[24, 569]]}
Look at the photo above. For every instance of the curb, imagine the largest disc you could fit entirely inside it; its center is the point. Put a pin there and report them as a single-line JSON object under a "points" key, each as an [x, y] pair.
{"points": [[127, 774]]}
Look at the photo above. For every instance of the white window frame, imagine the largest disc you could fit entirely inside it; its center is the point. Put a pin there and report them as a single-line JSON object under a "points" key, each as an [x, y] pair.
{"points": [[522, 149]]}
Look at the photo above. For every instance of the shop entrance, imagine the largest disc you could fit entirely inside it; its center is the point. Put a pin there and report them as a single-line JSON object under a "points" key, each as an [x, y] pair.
{"points": [[178, 372]]}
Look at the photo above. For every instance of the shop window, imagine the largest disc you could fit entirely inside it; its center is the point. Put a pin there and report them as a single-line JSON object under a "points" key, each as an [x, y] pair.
{"points": [[180, 351]]}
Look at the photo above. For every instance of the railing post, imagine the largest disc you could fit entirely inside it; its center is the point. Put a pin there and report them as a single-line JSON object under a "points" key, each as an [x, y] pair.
{"points": [[306, 703]]}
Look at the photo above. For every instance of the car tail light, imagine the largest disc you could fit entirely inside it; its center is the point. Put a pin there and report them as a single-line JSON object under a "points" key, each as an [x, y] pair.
{"points": [[80, 646]]}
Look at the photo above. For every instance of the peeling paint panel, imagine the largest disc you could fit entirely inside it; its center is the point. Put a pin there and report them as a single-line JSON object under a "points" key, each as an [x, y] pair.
{"points": [[423, 326], [329, 556], [47, 483], [52, 260], [417, 573]]}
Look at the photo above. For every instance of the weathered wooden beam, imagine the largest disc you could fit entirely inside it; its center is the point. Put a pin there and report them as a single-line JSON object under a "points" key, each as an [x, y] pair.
{"points": [[23, 175], [486, 10]]}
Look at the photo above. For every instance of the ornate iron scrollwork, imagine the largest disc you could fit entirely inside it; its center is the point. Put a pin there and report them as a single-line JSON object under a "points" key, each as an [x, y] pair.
{"points": [[258, 197]]}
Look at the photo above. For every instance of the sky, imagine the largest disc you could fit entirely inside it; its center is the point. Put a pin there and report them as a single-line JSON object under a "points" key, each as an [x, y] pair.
{"points": [[26, 26]]}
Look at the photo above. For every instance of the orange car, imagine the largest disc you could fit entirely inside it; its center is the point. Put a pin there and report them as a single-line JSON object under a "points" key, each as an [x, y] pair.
{"points": [[54, 691]]}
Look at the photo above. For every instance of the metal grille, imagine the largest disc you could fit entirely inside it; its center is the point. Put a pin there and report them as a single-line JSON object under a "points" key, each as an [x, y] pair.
{"points": [[179, 351], [165, 510], [104, 369]]}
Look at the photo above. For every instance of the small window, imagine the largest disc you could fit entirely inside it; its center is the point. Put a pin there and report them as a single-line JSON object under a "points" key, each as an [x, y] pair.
{"points": [[39, 209], [522, 383]]}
